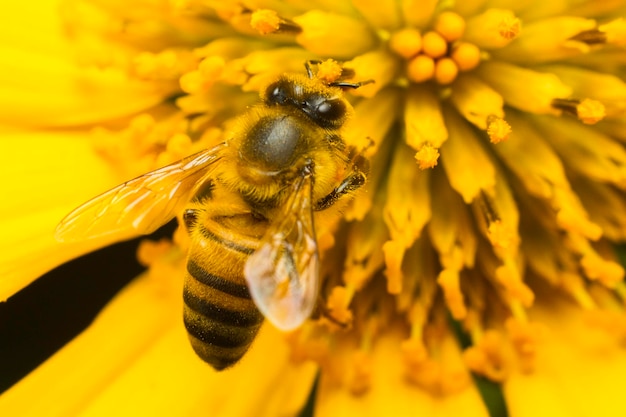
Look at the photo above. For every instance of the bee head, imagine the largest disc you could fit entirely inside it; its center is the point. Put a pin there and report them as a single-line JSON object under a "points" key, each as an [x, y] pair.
{"points": [[322, 104]]}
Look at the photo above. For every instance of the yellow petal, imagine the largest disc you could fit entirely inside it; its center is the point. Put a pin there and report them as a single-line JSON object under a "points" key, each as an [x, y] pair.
{"points": [[547, 40], [136, 359], [557, 387], [390, 394], [609, 89], [41, 83], [120, 335], [585, 150], [320, 35], [468, 166], [525, 89], [380, 14], [407, 207], [46, 176], [423, 117], [476, 101], [494, 28]]}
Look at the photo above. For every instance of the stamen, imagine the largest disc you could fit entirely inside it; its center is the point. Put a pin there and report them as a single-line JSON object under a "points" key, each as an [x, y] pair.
{"points": [[525, 89], [332, 34], [363, 373], [427, 156], [450, 282], [609, 273], [488, 357], [574, 285], [587, 110], [525, 337], [338, 304], [446, 71], [497, 129], [150, 251], [268, 21], [509, 276], [480, 104], [434, 45], [177, 147], [590, 37], [466, 55], [450, 25], [394, 254], [494, 28], [425, 127], [615, 31], [329, 71], [421, 68], [406, 42]]}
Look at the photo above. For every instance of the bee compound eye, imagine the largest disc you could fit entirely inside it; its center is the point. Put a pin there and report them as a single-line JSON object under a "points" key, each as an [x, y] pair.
{"points": [[326, 112], [277, 93]]}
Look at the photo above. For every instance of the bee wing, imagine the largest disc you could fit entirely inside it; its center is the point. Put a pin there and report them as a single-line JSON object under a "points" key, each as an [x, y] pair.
{"points": [[141, 205], [283, 273]]}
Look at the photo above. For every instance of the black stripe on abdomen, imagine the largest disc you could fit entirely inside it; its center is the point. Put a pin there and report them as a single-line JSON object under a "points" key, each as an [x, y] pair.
{"points": [[217, 333], [209, 235], [239, 318], [218, 283]]}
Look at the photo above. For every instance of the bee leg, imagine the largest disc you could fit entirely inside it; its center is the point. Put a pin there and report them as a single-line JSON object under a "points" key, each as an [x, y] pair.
{"points": [[350, 183]]}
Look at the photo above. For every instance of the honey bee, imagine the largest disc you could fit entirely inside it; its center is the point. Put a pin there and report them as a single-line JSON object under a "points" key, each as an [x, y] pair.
{"points": [[249, 206]]}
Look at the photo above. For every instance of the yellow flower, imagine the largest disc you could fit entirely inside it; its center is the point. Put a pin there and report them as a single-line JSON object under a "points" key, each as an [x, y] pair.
{"points": [[482, 248]]}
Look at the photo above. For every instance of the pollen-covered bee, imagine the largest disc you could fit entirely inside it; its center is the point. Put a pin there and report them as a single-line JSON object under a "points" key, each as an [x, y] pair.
{"points": [[248, 205]]}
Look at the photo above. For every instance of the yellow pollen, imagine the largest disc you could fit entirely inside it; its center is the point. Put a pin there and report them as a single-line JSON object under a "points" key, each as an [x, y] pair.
{"points": [[178, 146], [150, 251], [413, 351], [265, 21], [487, 357], [446, 71], [421, 68], [427, 157], [494, 28], [394, 253], [615, 31], [211, 67], [450, 283], [498, 129], [329, 71], [587, 110], [509, 27], [500, 235], [525, 337], [574, 285], [466, 55], [338, 304], [304, 345], [450, 25], [406, 42], [509, 276], [434, 45], [607, 272], [142, 124], [192, 82], [362, 377], [590, 111]]}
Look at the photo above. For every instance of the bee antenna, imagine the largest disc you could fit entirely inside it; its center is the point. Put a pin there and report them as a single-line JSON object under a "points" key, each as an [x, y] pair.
{"points": [[344, 84], [308, 64]]}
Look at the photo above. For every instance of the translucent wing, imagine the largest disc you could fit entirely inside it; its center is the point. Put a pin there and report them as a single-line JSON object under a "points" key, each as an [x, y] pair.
{"points": [[283, 273], [141, 205]]}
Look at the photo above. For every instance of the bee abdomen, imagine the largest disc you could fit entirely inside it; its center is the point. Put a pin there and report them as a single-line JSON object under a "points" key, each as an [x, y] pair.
{"points": [[219, 315]]}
